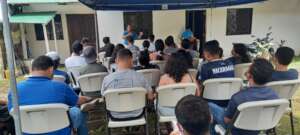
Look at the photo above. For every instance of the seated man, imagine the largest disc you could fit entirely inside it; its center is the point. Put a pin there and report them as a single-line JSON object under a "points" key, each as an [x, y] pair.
{"points": [[40, 89], [187, 47], [90, 56], [193, 116], [56, 61], [75, 60], [125, 77], [215, 67], [108, 47], [259, 73], [134, 50], [283, 58]]}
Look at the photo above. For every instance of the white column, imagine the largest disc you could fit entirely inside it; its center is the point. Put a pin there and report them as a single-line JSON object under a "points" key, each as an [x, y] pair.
{"points": [[54, 35], [23, 39], [46, 38]]}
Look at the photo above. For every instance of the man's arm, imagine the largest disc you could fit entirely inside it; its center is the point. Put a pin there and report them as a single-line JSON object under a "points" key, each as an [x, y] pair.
{"points": [[83, 100]]}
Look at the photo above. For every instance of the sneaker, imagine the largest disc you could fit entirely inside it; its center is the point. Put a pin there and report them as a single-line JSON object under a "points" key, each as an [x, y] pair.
{"points": [[90, 105]]}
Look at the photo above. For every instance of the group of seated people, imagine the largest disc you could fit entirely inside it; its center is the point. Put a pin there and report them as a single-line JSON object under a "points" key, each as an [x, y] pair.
{"points": [[195, 115]]}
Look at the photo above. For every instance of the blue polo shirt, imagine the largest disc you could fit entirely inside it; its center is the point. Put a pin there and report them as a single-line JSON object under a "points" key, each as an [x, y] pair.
{"points": [[291, 74], [134, 36], [42, 90], [62, 73], [247, 95]]}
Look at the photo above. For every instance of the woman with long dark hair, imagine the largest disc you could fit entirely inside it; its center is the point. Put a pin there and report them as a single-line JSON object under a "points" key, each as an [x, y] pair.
{"points": [[239, 54]]}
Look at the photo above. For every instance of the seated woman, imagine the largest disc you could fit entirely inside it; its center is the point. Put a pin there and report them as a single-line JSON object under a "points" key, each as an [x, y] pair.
{"points": [[239, 54], [144, 61], [176, 71], [159, 47]]}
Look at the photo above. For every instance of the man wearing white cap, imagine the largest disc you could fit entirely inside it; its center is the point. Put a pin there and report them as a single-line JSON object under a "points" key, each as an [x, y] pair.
{"points": [[56, 60]]}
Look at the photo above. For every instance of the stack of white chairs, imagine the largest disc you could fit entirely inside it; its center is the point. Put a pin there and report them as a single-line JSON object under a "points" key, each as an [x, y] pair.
{"points": [[168, 96], [160, 64], [257, 116], [241, 69], [221, 88], [286, 90], [151, 75], [90, 84], [126, 100], [44, 118]]}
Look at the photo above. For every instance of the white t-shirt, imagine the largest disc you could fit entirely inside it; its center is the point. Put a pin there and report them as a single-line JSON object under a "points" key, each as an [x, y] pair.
{"points": [[75, 61], [152, 47]]}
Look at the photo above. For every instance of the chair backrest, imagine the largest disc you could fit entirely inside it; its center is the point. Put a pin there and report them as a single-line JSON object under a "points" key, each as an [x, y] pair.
{"points": [[44, 118], [193, 72], [91, 82], [160, 64], [285, 89], [101, 56], [169, 95], [241, 69], [125, 99], [221, 88], [196, 62], [75, 71], [59, 78], [260, 115], [151, 75]]}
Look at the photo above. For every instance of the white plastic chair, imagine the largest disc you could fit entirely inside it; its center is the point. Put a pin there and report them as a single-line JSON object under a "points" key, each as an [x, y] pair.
{"points": [[151, 75], [241, 69], [44, 118], [257, 115], [126, 100], [59, 78], [74, 73], [195, 62], [101, 56], [91, 83], [286, 90], [106, 62], [193, 72], [221, 88], [168, 96], [160, 64]]}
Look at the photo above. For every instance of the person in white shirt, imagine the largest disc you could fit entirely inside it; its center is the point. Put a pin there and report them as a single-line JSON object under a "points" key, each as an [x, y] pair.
{"points": [[152, 43], [75, 60]]}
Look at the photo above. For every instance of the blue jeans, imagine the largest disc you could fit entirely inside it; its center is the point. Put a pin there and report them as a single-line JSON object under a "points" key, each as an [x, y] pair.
{"points": [[78, 120], [218, 117]]}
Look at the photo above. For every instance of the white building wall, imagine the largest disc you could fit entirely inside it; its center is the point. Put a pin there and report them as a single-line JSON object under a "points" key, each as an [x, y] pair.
{"points": [[38, 47], [282, 15]]}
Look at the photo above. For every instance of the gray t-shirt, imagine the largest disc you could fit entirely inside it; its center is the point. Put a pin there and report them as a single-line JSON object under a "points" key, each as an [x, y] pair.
{"points": [[92, 68], [125, 79], [135, 53]]}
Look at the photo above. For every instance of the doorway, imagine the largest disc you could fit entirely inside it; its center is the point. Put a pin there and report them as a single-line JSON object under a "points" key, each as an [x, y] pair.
{"points": [[81, 25], [196, 21]]}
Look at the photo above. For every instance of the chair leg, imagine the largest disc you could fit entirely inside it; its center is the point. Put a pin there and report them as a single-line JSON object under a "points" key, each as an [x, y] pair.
{"points": [[146, 129], [157, 128], [291, 118], [108, 130]]}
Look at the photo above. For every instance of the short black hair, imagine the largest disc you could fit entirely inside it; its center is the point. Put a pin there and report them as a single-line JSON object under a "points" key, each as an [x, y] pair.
{"points": [[159, 45], [213, 47], [144, 58], [146, 44], [169, 41], [42, 63], [151, 37], [285, 55], [124, 54], [130, 39], [261, 71], [106, 40], [193, 114], [77, 47], [185, 43]]}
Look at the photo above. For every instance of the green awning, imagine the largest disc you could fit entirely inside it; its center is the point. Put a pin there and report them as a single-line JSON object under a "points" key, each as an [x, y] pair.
{"points": [[34, 18], [38, 1]]}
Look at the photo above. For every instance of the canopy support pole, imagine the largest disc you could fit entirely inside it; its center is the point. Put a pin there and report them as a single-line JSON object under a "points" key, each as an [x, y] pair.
{"points": [[23, 39], [46, 38], [54, 35], [10, 60]]}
